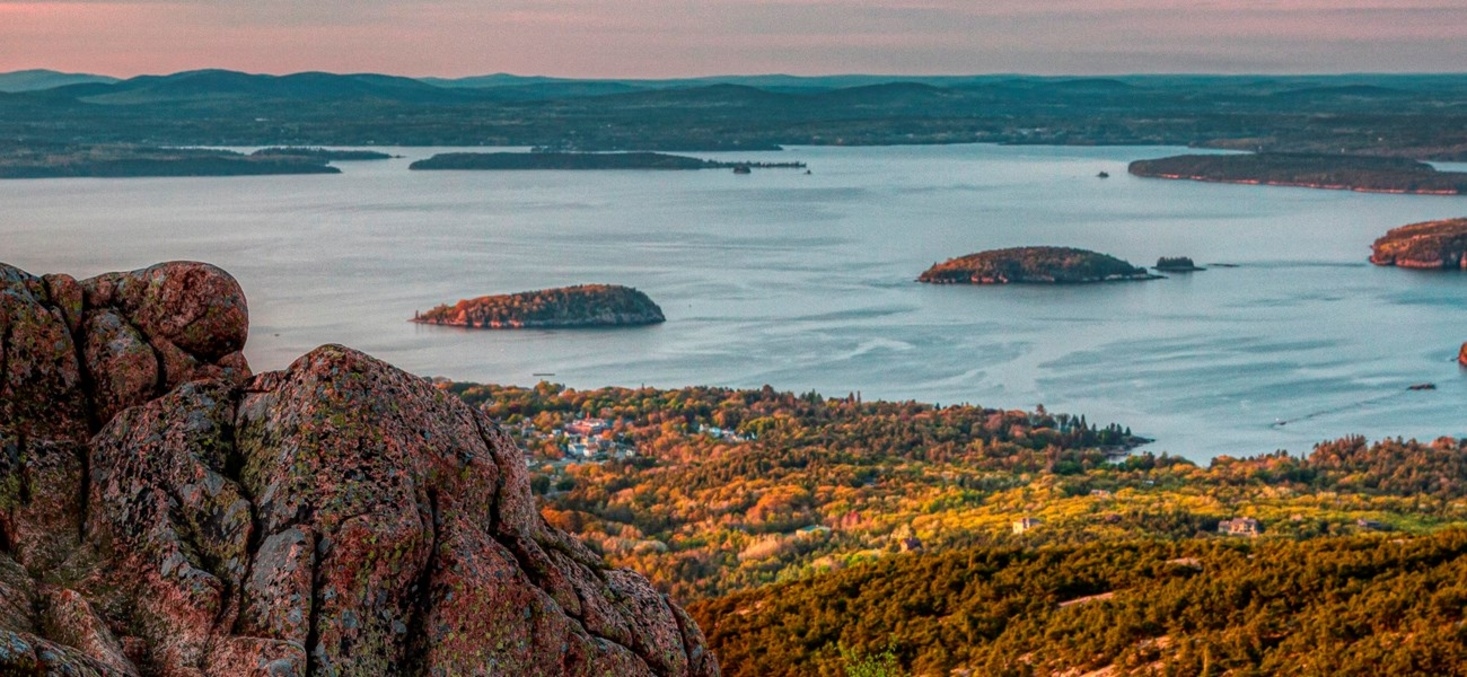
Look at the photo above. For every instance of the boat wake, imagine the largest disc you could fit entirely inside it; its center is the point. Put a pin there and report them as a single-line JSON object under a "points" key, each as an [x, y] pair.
{"points": [[1360, 404]]}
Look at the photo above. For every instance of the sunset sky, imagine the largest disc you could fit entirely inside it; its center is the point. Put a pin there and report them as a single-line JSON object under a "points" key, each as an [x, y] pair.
{"points": [[666, 38]]}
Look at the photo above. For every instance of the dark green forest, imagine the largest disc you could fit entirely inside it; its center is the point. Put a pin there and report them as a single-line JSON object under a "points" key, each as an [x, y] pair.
{"points": [[1358, 605]]}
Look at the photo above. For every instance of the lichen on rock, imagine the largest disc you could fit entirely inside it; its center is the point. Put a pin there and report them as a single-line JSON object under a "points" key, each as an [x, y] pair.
{"points": [[164, 512]]}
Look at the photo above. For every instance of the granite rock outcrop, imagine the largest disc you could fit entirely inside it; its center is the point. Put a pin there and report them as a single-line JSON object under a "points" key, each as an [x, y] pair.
{"points": [[164, 511]]}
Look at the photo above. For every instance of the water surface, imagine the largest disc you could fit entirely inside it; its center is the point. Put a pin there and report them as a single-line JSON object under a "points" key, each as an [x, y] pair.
{"points": [[806, 282]]}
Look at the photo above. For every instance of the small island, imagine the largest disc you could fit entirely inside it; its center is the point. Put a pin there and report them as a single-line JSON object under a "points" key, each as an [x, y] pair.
{"points": [[1332, 172], [1034, 265], [323, 154], [591, 305], [1432, 245], [584, 161], [48, 161], [1176, 264]]}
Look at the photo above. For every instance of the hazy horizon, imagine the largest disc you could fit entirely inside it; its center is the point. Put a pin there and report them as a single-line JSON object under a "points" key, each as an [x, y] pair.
{"points": [[658, 39], [715, 75]]}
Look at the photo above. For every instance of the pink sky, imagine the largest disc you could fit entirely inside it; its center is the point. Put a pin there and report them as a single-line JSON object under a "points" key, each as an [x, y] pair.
{"points": [[670, 38]]}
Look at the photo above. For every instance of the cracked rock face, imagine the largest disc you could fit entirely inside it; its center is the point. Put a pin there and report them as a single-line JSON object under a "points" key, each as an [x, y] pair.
{"points": [[163, 512]]}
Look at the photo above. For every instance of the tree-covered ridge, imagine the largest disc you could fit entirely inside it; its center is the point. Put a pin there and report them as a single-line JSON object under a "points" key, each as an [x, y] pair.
{"points": [[591, 305], [1430, 245], [1418, 116], [1352, 605], [1033, 265], [734, 489], [1335, 172]]}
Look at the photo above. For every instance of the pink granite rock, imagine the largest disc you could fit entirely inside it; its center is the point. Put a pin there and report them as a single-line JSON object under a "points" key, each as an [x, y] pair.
{"points": [[339, 517]]}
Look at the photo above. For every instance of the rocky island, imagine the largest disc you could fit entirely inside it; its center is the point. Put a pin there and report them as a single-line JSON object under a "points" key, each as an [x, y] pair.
{"points": [[46, 161], [591, 305], [584, 161], [1432, 245], [164, 511], [1176, 264], [1039, 265], [1334, 172]]}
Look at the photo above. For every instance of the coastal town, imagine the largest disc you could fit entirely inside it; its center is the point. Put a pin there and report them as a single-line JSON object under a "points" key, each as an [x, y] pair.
{"points": [[592, 440]]}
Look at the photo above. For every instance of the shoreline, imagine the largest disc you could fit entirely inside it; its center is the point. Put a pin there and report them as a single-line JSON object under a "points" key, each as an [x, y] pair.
{"points": [[1295, 184]]}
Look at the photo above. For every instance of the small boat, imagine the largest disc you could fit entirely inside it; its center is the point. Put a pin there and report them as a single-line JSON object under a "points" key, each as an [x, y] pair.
{"points": [[743, 169], [1103, 175], [1422, 386]]}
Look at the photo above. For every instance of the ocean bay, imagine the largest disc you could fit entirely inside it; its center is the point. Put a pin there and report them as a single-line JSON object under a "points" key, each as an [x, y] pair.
{"points": [[806, 282]]}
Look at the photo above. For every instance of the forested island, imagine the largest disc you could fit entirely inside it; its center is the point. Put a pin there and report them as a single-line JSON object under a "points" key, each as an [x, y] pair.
{"points": [[592, 305], [43, 161], [1033, 265], [584, 161], [324, 154], [1176, 264], [1332, 172], [810, 532], [1432, 245]]}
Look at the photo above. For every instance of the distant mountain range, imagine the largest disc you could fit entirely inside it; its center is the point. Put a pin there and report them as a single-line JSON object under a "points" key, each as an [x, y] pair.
{"points": [[36, 80], [1416, 116], [211, 83]]}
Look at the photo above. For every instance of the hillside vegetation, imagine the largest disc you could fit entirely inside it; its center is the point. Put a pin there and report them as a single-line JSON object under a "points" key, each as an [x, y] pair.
{"points": [[735, 489], [1355, 605]]}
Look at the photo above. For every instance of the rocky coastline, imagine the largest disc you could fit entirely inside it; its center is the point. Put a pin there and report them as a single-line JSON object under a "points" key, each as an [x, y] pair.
{"points": [[1430, 245]]}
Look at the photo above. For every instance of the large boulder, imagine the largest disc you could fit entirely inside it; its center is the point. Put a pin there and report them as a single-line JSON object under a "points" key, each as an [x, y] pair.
{"points": [[164, 512], [74, 354]]}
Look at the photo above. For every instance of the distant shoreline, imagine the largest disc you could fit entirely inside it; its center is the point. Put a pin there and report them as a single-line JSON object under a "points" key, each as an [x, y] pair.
{"points": [[1362, 174], [517, 161]]}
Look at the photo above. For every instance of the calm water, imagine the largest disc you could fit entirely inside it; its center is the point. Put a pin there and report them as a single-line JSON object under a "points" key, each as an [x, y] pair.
{"points": [[805, 282]]}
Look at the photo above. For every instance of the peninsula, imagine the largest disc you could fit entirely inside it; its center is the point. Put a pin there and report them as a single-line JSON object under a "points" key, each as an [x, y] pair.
{"points": [[592, 305], [559, 160], [1432, 245], [1041, 265], [45, 161], [1331, 172]]}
